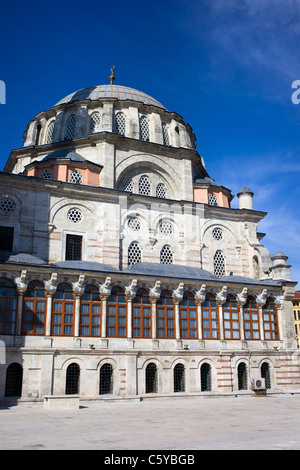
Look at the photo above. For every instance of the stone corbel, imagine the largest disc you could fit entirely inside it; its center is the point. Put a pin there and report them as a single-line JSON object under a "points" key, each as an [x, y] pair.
{"points": [[105, 287], [200, 294], [221, 296], [50, 286], [178, 293], [261, 299], [131, 290], [51, 228], [20, 281], [155, 291], [78, 285], [242, 297]]}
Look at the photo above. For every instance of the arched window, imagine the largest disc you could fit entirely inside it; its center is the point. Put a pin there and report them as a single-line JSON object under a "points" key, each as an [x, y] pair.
{"points": [[14, 378], [161, 191], [127, 185], [166, 137], [76, 177], [242, 376], [90, 311], [116, 313], [251, 323], [95, 122], [144, 129], [106, 379], [210, 318], [144, 186], [70, 128], [205, 377], [49, 134], [231, 318], [63, 310], [8, 307], [179, 378], [72, 379], [270, 320], [219, 264], [151, 378], [212, 199], [188, 316], [134, 253], [120, 124], [34, 309], [141, 314], [166, 255], [165, 315], [38, 133], [266, 374]]}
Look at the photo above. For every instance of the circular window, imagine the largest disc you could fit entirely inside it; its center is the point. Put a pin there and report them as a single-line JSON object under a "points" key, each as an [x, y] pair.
{"points": [[75, 215], [217, 233], [46, 174], [7, 205], [76, 177], [134, 224]]}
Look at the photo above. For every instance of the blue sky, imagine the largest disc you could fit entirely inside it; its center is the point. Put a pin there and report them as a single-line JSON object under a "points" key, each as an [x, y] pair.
{"points": [[226, 66]]}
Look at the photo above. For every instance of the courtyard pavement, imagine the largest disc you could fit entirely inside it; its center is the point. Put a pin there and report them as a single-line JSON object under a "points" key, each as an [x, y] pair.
{"points": [[196, 423]]}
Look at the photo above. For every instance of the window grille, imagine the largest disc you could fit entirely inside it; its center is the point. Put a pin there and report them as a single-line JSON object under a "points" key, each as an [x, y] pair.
{"points": [[217, 233], [141, 315], [49, 135], [212, 199], [144, 185], [219, 264], [76, 177], [72, 379], [166, 255], [46, 174], [151, 378], [120, 124], [74, 215], [6, 239], [90, 311], [144, 129], [95, 123], [242, 376], [8, 307], [166, 137], [166, 227], [205, 377], [161, 191], [179, 378], [70, 128], [266, 374], [7, 205], [134, 253], [127, 185], [106, 379], [34, 309], [73, 247], [14, 378], [134, 224]]}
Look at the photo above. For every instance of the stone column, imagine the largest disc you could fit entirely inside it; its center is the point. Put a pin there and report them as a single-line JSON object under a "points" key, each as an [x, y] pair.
{"points": [[78, 296], [20, 291]]}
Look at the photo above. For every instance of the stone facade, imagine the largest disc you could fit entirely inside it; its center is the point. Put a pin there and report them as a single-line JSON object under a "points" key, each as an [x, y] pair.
{"points": [[109, 195]]}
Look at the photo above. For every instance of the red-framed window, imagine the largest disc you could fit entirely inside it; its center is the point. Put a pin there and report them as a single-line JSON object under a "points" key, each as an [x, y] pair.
{"points": [[165, 313], [63, 310], [116, 322], [141, 314], [188, 316], [210, 318], [90, 312], [231, 318], [34, 309], [251, 319], [270, 320]]}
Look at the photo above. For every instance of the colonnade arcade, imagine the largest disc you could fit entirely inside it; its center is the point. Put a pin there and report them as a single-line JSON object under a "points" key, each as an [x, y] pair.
{"points": [[87, 308]]}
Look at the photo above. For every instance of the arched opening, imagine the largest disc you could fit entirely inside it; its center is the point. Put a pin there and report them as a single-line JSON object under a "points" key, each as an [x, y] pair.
{"points": [[106, 379], [179, 378], [151, 378], [266, 374], [116, 313], [141, 314], [34, 309], [188, 316], [242, 376], [90, 312], [165, 315], [205, 377], [14, 378], [8, 307], [72, 379]]}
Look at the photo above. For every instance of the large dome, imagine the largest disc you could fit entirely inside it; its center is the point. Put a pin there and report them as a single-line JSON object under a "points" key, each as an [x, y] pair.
{"points": [[99, 92]]}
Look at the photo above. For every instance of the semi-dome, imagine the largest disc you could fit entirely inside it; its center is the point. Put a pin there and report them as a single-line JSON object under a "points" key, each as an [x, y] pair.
{"points": [[118, 92]]}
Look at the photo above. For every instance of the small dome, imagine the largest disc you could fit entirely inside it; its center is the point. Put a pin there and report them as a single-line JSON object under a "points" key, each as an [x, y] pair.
{"points": [[279, 255], [245, 190], [65, 154], [118, 92]]}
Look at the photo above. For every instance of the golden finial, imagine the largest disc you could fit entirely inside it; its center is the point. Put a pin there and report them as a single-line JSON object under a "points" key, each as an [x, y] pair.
{"points": [[112, 78]]}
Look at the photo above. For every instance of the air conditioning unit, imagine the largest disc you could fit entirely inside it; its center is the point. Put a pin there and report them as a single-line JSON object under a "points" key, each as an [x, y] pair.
{"points": [[258, 384]]}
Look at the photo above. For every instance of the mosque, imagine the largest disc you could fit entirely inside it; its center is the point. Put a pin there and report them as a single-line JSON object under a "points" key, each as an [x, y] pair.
{"points": [[124, 270]]}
